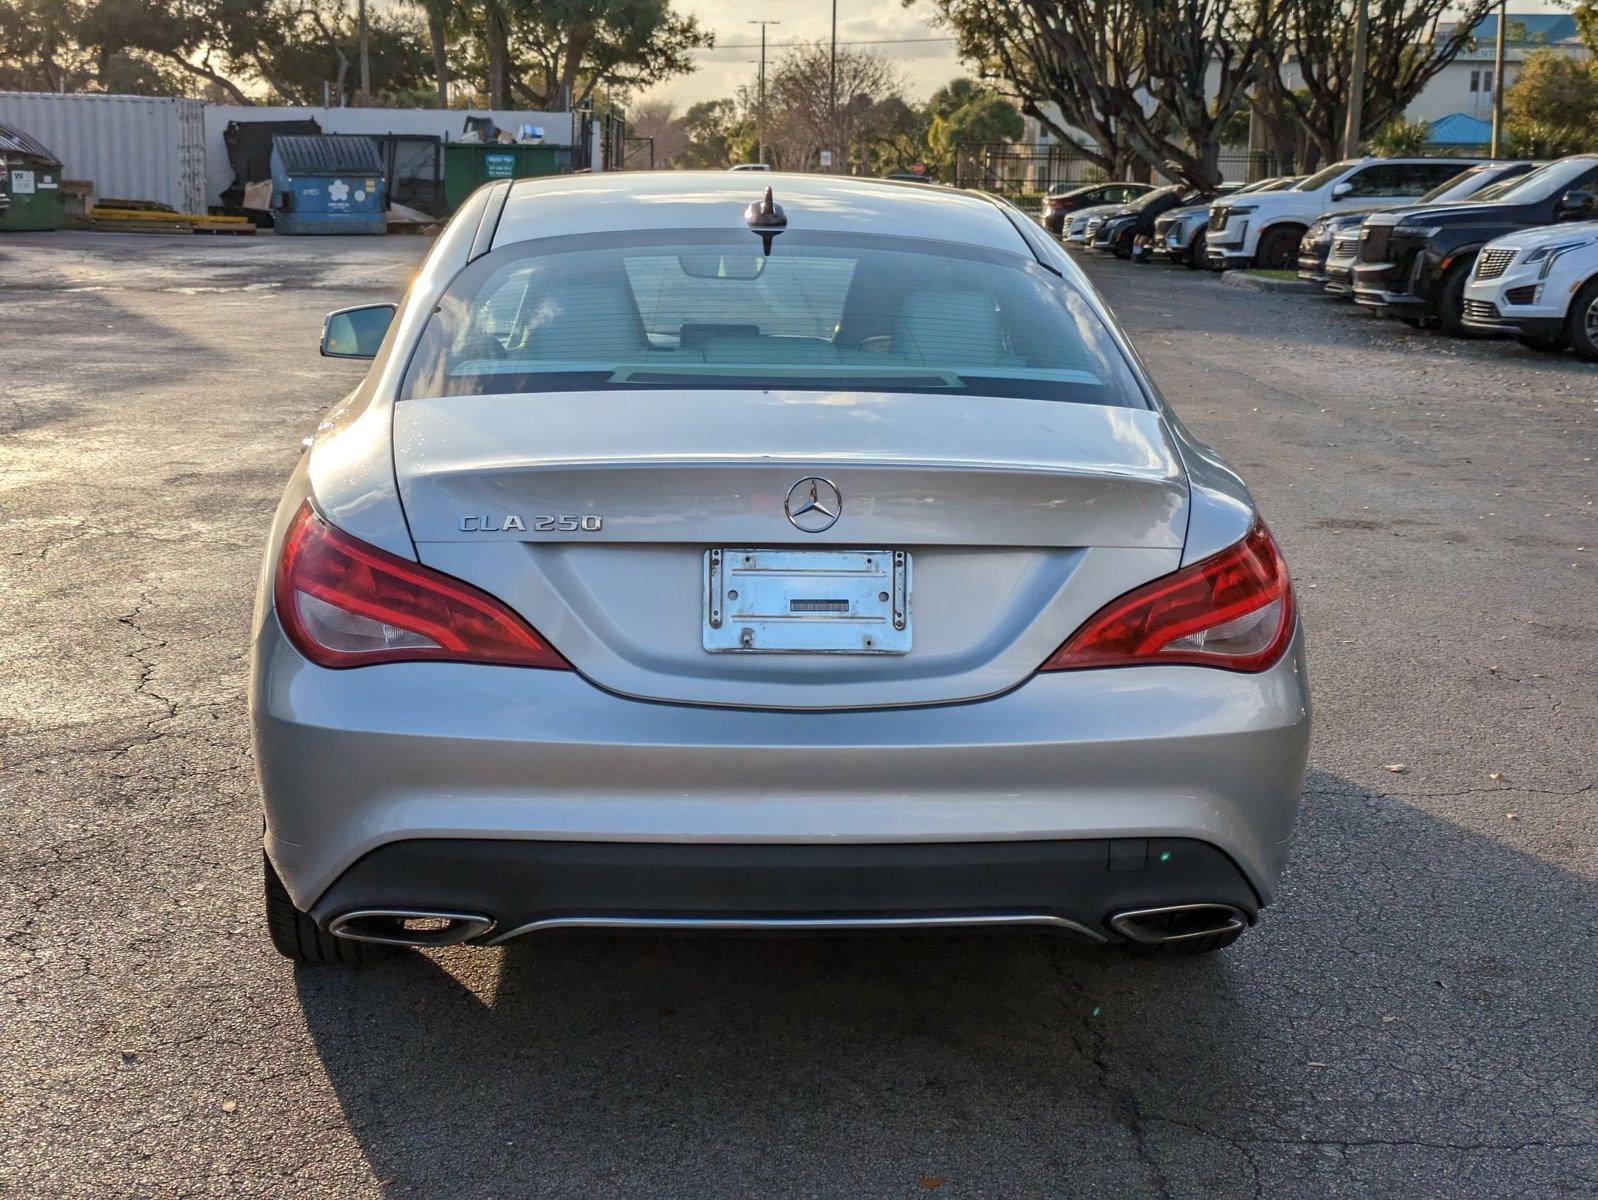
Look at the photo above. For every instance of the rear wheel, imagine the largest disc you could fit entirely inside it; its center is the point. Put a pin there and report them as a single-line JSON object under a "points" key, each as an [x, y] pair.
{"points": [[1278, 249], [1581, 326], [296, 936]]}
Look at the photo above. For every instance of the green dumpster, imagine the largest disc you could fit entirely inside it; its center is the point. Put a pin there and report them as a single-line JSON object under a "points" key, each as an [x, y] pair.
{"points": [[469, 165], [30, 182]]}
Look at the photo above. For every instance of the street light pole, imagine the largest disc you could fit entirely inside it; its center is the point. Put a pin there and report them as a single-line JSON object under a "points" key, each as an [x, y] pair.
{"points": [[832, 90], [366, 61], [1356, 82], [1498, 79], [760, 108]]}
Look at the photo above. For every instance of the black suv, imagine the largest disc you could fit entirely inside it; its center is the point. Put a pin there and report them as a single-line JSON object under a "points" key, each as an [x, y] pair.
{"points": [[1414, 262]]}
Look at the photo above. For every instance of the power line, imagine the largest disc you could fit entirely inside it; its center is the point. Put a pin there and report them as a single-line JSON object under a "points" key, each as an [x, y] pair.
{"points": [[791, 45]]}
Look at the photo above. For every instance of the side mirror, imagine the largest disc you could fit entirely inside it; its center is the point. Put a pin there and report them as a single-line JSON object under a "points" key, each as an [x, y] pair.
{"points": [[1578, 202], [356, 332], [1341, 190]]}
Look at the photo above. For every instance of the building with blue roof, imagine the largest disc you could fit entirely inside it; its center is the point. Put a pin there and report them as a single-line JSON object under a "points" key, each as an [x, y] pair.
{"points": [[1465, 87]]}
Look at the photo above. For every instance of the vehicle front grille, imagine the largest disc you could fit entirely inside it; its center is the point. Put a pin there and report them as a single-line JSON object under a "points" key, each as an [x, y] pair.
{"points": [[1373, 241], [1522, 295], [1482, 310], [1493, 263], [1346, 246]]}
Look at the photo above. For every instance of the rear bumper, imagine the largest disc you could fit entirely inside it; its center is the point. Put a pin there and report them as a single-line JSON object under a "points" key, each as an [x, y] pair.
{"points": [[351, 761], [522, 887]]}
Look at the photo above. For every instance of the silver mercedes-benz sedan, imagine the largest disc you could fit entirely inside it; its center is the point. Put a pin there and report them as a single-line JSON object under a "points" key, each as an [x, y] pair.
{"points": [[702, 554]]}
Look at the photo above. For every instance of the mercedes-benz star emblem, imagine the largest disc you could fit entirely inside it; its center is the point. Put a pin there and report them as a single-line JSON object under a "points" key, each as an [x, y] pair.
{"points": [[814, 504]]}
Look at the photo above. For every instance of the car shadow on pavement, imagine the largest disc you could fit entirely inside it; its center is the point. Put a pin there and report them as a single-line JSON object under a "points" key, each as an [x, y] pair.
{"points": [[1420, 990]]}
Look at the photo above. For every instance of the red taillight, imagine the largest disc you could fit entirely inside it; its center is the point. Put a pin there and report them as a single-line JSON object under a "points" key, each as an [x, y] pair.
{"points": [[344, 603], [1232, 610]]}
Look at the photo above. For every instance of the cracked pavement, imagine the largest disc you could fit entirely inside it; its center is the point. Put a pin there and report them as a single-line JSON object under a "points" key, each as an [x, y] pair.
{"points": [[1414, 1018]]}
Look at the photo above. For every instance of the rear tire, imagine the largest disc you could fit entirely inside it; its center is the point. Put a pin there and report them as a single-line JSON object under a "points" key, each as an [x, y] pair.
{"points": [[1187, 947], [295, 936], [1581, 325], [1278, 249]]}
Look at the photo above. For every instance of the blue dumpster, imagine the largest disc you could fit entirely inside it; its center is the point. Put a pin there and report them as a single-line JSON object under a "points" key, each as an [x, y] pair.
{"points": [[327, 183]]}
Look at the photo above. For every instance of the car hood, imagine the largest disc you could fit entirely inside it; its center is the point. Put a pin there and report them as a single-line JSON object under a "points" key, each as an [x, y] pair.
{"points": [[1458, 213], [1547, 235]]}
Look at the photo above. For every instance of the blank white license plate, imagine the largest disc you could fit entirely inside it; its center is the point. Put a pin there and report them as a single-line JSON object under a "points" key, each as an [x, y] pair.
{"points": [[807, 602]]}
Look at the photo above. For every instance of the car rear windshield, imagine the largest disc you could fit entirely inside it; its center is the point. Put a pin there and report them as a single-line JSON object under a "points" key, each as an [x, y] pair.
{"points": [[710, 310]]}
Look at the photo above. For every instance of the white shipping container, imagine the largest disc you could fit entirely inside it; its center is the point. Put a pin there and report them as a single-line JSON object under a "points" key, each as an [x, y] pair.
{"points": [[128, 147]]}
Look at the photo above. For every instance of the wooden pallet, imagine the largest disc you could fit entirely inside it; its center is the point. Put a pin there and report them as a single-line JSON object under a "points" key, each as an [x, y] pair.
{"points": [[152, 220]]}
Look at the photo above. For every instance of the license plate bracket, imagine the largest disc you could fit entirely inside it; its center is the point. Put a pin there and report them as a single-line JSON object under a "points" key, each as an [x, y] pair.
{"points": [[807, 601]]}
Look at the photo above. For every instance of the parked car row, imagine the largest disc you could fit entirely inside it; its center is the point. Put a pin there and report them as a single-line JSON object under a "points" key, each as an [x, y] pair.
{"points": [[1518, 256], [1465, 245], [1181, 235]]}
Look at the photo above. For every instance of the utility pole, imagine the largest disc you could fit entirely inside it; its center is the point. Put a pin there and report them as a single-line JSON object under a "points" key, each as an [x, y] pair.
{"points": [[366, 58], [760, 108], [1498, 80], [832, 90], [1356, 82]]}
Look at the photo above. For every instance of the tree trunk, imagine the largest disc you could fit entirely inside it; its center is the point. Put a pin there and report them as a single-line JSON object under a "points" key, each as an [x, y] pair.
{"points": [[496, 45], [437, 14]]}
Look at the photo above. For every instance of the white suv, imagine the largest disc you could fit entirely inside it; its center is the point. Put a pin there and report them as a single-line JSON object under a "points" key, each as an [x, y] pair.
{"points": [[1539, 285], [1264, 230]]}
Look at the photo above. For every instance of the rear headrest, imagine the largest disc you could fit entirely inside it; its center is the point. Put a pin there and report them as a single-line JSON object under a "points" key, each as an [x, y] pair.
{"points": [[585, 318], [949, 328]]}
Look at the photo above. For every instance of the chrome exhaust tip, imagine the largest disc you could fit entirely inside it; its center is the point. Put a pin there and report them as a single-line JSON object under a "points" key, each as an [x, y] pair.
{"points": [[1178, 922], [409, 926]]}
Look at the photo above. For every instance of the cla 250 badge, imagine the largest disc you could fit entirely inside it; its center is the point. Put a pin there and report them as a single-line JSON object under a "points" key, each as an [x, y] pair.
{"points": [[538, 523]]}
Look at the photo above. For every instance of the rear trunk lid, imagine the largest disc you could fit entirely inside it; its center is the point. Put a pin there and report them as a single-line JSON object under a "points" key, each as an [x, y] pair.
{"points": [[596, 515]]}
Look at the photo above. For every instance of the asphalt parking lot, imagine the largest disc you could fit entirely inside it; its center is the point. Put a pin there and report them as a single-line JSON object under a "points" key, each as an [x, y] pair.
{"points": [[1415, 1018]]}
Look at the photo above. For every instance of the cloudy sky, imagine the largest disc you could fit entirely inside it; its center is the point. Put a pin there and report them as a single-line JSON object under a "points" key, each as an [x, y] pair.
{"points": [[924, 55]]}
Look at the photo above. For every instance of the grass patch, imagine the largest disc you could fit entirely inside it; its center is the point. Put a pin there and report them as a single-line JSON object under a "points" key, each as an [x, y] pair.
{"points": [[1263, 274]]}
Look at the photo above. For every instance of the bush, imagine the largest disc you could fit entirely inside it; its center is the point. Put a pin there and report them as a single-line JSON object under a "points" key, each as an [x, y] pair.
{"points": [[1546, 139]]}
